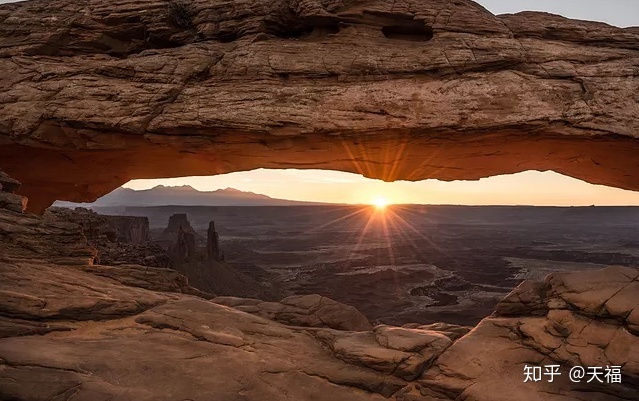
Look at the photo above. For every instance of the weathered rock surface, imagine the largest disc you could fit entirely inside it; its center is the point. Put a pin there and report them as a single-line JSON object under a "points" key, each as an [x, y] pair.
{"points": [[119, 240], [452, 331], [27, 237], [302, 310], [211, 352], [8, 184], [156, 91], [584, 319], [405, 353], [47, 272], [15, 203], [155, 279], [126, 229]]}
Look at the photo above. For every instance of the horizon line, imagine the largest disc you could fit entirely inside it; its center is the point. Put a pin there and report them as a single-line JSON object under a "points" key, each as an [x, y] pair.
{"points": [[320, 204]]}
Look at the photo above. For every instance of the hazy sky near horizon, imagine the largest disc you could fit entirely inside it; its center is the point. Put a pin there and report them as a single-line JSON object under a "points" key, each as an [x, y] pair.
{"points": [[531, 188], [527, 188]]}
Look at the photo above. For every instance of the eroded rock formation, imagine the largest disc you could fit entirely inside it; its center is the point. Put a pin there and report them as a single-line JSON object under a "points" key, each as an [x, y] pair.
{"points": [[8, 184], [204, 264], [213, 251], [393, 90], [131, 229], [118, 239], [27, 237], [169, 236], [183, 250], [588, 319], [48, 273], [8, 199]]}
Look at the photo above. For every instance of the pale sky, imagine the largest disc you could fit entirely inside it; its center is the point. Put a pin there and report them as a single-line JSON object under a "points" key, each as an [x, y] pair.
{"points": [[530, 188]]}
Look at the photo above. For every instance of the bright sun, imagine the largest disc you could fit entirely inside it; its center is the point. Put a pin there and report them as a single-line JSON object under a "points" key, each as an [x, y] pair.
{"points": [[380, 203]]}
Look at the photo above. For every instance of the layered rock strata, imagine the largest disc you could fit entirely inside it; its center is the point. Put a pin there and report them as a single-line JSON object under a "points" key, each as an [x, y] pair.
{"points": [[408, 89], [118, 239]]}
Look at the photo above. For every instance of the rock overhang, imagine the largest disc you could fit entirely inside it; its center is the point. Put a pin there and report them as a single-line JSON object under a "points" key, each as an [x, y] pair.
{"points": [[98, 93]]}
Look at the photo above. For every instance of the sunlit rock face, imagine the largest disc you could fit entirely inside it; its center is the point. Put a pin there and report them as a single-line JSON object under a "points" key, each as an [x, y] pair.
{"points": [[303, 310], [572, 319], [95, 94]]}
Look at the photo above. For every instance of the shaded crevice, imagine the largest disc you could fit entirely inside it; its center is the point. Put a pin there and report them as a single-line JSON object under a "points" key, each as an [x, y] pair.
{"points": [[180, 13], [304, 29], [415, 32]]}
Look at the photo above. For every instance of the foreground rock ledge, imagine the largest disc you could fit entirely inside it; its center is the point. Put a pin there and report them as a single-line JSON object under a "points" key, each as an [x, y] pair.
{"points": [[391, 90]]}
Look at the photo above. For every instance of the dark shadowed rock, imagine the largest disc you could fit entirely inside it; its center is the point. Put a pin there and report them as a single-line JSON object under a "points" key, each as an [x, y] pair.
{"points": [[177, 221], [183, 251], [130, 229], [179, 238], [8, 184], [213, 251], [204, 266], [13, 202], [118, 239]]}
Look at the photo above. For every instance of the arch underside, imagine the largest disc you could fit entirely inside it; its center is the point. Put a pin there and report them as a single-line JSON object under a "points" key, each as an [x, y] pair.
{"points": [[96, 95]]}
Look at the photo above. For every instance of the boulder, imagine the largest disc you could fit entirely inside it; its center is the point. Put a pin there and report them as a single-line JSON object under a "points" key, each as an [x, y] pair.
{"points": [[303, 310], [405, 353], [13, 202]]}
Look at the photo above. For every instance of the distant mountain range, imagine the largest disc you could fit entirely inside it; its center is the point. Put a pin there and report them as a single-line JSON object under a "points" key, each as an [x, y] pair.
{"points": [[185, 196]]}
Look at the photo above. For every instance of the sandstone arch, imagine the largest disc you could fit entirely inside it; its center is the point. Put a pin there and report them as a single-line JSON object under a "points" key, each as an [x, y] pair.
{"points": [[96, 93]]}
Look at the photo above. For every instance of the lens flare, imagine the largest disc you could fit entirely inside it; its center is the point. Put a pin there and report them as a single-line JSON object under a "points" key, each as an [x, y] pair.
{"points": [[380, 203]]}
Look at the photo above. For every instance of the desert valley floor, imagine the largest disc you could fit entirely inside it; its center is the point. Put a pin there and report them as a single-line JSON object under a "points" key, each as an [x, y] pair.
{"points": [[410, 263]]}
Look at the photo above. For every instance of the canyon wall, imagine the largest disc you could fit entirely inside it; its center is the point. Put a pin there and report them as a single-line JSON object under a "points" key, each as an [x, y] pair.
{"points": [[117, 239]]}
